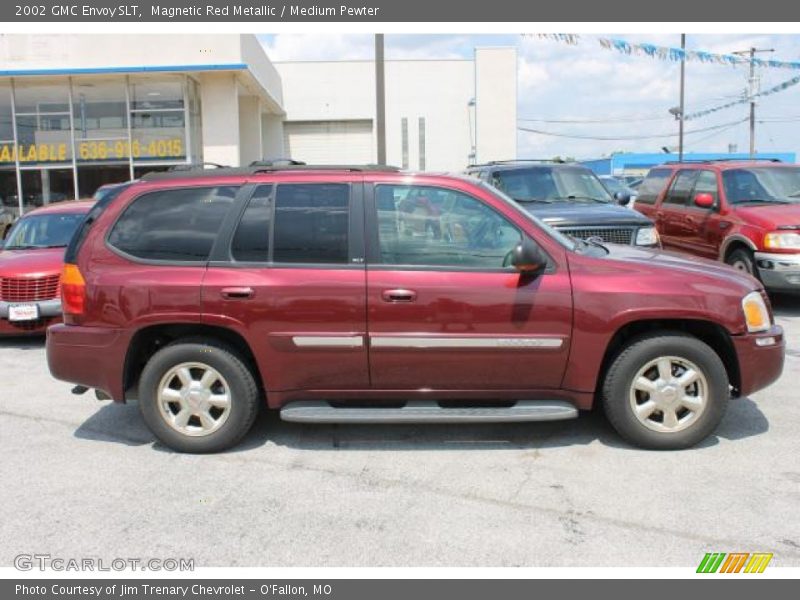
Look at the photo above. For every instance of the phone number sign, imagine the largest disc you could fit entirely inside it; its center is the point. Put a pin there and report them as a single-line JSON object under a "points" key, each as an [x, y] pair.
{"points": [[92, 150]]}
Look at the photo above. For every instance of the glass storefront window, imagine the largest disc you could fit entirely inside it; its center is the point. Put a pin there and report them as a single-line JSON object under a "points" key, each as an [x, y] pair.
{"points": [[99, 109], [6, 124], [79, 133], [38, 98], [156, 93], [43, 134], [8, 190], [45, 186]]}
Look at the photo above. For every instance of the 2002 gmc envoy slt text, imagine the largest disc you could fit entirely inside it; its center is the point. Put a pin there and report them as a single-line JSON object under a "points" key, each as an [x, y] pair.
{"points": [[320, 291]]}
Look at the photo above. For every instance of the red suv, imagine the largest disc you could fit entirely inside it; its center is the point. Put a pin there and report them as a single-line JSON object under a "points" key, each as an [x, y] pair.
{"points": [[204, 294], [744, 213]]}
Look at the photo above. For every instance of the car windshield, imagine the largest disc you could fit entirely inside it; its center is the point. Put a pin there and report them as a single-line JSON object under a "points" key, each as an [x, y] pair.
{"points": [[549, 184], [43, 231], [779, 185]]}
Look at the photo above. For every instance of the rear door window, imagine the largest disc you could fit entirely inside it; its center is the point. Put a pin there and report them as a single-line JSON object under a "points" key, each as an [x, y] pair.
{"points": [[681, 189], [311, 223], [178, 225], [652, 186]]}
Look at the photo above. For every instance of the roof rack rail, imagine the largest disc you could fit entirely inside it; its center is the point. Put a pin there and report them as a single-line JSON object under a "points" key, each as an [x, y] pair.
{"points": [[272, 162], [512, 161], [196, 166], [702, 161], [252, 170]]}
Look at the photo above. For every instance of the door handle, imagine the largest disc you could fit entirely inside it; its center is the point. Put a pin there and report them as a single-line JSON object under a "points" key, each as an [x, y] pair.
{"points": [[237, 293], [399, 295]]}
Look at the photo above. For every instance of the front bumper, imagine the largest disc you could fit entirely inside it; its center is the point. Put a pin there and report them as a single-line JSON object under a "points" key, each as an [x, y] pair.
{"points": [[760, 357], [779, 272], [49, 311], [90, 356]]}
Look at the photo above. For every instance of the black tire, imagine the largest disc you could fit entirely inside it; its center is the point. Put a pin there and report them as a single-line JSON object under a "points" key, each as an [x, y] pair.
{"points": [[619, 379], [244, 394], [742, 259]]}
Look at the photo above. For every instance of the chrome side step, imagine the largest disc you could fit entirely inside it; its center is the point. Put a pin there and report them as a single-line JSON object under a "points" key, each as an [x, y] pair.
{"points": [[426, 411]]}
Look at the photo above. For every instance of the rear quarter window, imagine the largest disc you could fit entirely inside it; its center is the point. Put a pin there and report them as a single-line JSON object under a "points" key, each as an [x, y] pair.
{"points": [[653, 185], [173, 225]]}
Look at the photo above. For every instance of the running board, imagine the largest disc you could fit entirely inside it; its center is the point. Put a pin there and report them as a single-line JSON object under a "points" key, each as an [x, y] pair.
{"points": [[429, 412]]}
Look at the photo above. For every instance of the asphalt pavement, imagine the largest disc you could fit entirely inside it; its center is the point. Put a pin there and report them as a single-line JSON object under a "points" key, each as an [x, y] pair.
{"points": [[82, 478]]}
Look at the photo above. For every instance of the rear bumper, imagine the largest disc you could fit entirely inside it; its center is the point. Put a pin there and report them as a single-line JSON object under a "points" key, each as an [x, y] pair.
{"points": [[779, 272], [90, 356], [761, 357]]}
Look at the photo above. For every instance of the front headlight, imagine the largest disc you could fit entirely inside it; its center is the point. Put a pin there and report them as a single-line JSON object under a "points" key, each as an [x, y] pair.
{"points": [[782, 240], [647, 236], [756, 314]]}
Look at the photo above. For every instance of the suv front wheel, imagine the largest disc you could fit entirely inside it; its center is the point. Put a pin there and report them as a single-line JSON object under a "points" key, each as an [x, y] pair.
{"points": [[198, 396], [666, 391]]}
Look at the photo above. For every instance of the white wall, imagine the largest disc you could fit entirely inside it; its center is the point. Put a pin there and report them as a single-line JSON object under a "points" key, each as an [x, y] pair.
{"points": [[81, 50], [272, 136], [437, 90], [219, 99], [250, 148], [496, 103]]}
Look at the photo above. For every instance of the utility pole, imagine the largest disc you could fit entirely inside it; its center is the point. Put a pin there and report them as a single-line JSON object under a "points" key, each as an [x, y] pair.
{"points": [[380, 99], [683, 82], [751, 91]]}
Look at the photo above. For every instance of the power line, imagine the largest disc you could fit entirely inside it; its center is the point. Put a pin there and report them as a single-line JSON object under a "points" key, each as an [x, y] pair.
{"points": [[714, 134], [628, 137]]}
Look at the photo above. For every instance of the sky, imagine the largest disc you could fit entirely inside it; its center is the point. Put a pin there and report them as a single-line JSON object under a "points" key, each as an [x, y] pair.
{"points": [[624, 95]]}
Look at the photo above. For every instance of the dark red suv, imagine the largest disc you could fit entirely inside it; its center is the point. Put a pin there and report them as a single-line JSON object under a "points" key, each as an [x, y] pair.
{"points": [[744, 213], [314, 289]]}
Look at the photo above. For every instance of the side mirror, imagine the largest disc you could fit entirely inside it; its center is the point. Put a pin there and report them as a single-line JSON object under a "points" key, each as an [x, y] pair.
{"points": [[526, 257], [622, 198], [704, 200]]}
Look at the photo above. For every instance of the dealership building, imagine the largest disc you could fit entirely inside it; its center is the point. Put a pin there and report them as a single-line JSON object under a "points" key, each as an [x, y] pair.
{"points": [[80, 111]]}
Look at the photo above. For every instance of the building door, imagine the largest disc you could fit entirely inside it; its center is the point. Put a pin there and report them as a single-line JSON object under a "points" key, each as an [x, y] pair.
{"points": [[330, 142]]}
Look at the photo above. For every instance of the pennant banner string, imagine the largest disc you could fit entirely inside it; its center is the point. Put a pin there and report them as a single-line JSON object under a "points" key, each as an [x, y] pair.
{"points": [[671, 54]]}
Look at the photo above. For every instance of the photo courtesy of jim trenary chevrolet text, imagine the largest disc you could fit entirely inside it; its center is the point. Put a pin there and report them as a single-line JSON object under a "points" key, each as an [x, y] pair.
{"points": [[372, 299]]}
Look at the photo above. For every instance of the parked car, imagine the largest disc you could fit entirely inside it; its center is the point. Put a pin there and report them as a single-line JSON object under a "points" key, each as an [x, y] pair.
{"points": [[744, 213], [617, 187], [31, 261], [570, 198], [203, 294]]}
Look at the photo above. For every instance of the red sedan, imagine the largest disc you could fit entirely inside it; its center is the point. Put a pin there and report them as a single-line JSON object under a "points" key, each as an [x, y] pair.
{"points": [[30, 267]]}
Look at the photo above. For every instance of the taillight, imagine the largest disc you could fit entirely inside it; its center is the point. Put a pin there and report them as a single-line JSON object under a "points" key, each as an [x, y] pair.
{"points": [[73, 292]]}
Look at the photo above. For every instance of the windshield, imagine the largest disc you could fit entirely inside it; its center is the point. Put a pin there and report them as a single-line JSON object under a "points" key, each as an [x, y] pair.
{"points": [[548, 184], [762, 184], [562, 239], [43, 231]]}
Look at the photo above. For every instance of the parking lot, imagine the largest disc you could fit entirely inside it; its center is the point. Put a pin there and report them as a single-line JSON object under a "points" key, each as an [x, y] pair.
{"points": [[85, 478]]}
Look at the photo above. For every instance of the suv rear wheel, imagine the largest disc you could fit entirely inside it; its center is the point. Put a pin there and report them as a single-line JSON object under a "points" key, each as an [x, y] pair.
{"points": [[198, 396], [666, 391]]}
